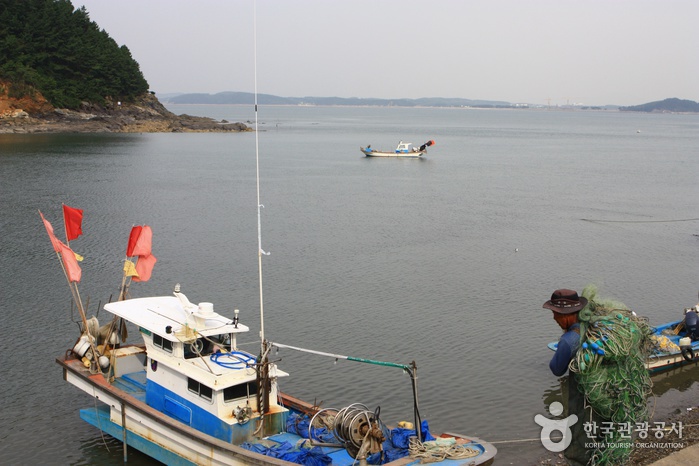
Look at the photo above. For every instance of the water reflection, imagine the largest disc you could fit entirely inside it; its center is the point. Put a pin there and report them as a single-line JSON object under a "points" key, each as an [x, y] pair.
{"points": [[680, 379], [556, 392]]}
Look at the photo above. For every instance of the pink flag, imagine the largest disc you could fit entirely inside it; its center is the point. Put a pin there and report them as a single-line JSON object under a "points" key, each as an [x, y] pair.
{"points": [[49, 229], [144, 267], [74, 220], [70, 263], [140, 241]]}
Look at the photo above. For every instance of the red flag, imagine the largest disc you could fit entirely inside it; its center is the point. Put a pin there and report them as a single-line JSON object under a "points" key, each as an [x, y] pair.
{"points": [[73, 219], [133, 238], [70, 263], [140, 241], [49, 229], [144, 267]]}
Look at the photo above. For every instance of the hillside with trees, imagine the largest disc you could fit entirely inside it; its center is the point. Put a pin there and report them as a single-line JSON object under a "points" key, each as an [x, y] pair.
{"points": [[59, 72], [50, 47], [665, 106]]}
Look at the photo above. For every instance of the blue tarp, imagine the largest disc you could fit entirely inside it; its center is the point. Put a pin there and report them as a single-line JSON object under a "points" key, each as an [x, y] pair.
{"points": [[394, 447], [287, 452], [298, 424], [397, 443]]}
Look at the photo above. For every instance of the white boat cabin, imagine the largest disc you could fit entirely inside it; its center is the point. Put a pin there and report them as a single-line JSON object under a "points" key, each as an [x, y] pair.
{"points": [[194, 370], [405, 147]]}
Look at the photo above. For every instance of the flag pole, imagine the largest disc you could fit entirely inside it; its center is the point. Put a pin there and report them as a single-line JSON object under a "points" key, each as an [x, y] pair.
{"points": [[65, 223], [124, 285], [73, 286]]}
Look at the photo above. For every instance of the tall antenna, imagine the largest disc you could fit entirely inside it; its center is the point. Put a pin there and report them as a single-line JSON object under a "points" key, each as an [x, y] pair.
{"points": [[260, 252]]}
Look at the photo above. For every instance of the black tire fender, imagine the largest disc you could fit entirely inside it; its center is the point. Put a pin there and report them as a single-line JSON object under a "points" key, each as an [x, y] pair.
{"points": [[687, 353]]}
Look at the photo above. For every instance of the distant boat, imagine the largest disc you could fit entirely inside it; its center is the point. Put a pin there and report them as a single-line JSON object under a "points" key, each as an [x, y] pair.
{"points": [[404, 149]]}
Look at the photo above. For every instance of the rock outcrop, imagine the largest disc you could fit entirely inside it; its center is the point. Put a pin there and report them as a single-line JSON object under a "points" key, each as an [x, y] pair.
{"points": [[146, 115]]}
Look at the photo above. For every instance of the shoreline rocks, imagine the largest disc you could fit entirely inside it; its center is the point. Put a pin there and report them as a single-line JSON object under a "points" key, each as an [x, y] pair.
{"points": [[145, 115]]}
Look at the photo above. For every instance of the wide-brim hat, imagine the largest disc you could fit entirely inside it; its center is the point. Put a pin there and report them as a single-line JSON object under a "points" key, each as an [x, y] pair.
{"points": [[565, 302]]}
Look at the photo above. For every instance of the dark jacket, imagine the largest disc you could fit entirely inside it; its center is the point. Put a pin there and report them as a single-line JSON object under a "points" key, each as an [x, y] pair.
{"points": [[567, 347]]}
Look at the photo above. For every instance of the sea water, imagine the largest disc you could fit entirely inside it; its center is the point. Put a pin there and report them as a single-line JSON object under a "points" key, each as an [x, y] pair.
{"points": [[444, 260]]}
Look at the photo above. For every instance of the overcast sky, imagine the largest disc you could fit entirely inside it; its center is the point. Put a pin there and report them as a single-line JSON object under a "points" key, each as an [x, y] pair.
{"points": [[593, 52]]}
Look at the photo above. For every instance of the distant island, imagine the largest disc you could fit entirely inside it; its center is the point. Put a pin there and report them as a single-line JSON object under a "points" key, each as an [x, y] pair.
{"points": [[673, 105], [245, 98]]}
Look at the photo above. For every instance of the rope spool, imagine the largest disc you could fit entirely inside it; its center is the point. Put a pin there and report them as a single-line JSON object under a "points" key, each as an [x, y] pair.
{"points": [[357, 429]]}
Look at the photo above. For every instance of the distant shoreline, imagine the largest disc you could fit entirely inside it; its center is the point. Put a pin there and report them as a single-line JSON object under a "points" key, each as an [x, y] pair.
{"points": [[402, 107]]}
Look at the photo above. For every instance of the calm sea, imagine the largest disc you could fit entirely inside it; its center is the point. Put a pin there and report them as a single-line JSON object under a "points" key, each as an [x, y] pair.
{"points": [[445, 260]]}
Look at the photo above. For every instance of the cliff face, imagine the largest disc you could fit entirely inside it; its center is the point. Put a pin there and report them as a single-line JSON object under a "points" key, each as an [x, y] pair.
{"points": [[23, 107], [33, 114]]}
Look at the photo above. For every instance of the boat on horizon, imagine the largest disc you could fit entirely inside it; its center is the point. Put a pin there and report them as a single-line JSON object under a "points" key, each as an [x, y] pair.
{"points": [[403, 149]]}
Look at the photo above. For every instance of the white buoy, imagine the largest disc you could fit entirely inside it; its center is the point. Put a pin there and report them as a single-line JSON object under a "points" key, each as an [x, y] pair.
{"points": [[104, 362]]}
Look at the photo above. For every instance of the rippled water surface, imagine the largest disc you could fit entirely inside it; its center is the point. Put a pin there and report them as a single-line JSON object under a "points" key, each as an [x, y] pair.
{"points": [[444, 260]]}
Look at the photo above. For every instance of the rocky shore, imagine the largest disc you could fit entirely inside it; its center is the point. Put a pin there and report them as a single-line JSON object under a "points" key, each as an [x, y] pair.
{"points": [[145, 115]]}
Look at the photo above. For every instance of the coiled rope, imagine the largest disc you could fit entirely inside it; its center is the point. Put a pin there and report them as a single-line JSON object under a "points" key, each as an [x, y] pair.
{"points": [[434, 452]]}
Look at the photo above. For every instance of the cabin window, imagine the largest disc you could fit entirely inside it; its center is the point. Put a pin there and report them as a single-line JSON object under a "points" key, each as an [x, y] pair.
{"points": [[205, 346], [200, 389], [239, 391], [161, 342]]}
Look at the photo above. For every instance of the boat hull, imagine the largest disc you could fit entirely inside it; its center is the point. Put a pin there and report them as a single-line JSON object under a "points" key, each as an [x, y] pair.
{"points": [[175, 443], [149, 430], [376, 153]]}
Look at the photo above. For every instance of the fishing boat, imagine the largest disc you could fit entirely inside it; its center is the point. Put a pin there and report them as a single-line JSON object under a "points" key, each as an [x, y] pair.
{"points": [[672, 347], [190, 395], [404, 149]]}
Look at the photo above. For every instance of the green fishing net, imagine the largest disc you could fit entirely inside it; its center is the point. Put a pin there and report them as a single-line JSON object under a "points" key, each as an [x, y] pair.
{"points": [[611, 372]]}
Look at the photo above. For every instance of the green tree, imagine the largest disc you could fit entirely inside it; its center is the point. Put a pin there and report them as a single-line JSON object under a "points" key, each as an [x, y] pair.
{"points": [[50, 46]]}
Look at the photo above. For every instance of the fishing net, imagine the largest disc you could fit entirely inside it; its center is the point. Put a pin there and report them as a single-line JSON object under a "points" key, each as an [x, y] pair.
{"points": [[611, 372]]}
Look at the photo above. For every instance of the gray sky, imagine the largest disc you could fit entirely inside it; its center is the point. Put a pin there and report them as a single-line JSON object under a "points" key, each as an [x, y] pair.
{"points": [[593, 52]]}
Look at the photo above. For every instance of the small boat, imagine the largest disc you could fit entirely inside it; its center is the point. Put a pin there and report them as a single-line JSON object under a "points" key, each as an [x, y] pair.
{"points": [[673, 347], [404, 149]]}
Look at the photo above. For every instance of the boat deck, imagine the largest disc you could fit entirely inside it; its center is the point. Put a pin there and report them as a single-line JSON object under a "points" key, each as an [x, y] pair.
{"points": [[134, 384]]}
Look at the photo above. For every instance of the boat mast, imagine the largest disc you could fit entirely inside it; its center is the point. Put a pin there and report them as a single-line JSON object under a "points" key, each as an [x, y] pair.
{"points": [[260, 252], [263, 365]]}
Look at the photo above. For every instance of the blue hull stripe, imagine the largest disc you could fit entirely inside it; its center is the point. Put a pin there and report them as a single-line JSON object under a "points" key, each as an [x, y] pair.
{"points": [[182, 409], [187, 412]]}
